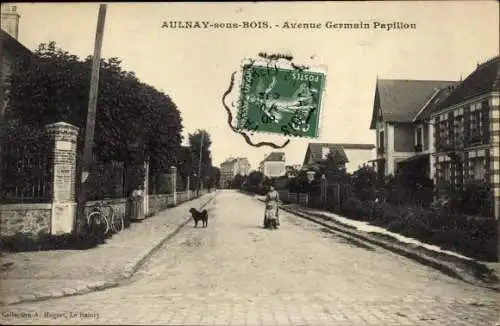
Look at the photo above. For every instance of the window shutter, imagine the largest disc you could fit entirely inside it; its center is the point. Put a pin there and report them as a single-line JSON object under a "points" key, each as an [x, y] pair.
{"points": [[466, 126], [485, 117], [437, 134], [451, 121], [466, 166], [487, 167]]}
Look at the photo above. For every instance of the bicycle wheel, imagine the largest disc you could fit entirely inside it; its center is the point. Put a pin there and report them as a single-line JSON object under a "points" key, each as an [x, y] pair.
{"points": [[107, 213], [97, 215], [117, 223]]}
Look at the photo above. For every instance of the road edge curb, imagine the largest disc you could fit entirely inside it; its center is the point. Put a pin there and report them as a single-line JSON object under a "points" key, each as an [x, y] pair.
{"points": [[127, 273]]}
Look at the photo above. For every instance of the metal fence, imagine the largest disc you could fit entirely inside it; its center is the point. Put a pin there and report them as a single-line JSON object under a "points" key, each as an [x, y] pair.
{"points": [[26, 173]]}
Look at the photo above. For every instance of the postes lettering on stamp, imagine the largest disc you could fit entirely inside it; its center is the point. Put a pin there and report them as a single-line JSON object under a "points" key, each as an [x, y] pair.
{"points": [[280, 100]]}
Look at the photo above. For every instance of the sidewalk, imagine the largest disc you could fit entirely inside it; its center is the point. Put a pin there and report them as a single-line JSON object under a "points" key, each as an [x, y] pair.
{"points": [[485, 274], [41, 275]]}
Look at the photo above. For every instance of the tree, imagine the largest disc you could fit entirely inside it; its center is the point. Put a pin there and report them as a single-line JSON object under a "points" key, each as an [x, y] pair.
{"points": [[237, 181], [213, 179], [134, 121], [196, 146], [363, 181], [333, 166], [255, 178]]}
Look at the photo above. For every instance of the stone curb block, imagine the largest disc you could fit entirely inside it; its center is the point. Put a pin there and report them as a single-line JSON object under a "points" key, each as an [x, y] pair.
{"points": [[447, 267], [128, 272]]}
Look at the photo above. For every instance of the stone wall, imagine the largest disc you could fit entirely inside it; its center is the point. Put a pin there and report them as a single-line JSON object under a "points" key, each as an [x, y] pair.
{"points": [[29, 219], [160, 202], [118, 206], [35, 219]]}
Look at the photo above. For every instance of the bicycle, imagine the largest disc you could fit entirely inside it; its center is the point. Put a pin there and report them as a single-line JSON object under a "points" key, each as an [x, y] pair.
{"points": [[107, 214]]}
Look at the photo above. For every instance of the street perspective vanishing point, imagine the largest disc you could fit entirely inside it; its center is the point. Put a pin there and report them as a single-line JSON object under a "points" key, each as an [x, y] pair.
{"points": [[250, 163]]}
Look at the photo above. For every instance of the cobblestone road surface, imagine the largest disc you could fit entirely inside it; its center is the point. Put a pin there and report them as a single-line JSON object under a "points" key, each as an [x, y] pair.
{"points": [[236, 273]]}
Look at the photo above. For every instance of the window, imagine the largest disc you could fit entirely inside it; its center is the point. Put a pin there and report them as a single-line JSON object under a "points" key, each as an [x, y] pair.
{"points": [[381, 141], [458, 129], [419, 136], [446, 171], [443, 132], [475, 122], [476, 169], [419, 140]]}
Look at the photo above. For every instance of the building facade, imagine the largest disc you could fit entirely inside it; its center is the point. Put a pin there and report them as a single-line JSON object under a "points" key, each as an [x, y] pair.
{"points": [[231, 167], [467, 132], [273, 165], [401, 124]]}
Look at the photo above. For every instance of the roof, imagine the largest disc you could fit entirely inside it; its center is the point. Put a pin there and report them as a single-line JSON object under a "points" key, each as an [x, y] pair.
{"points": [[314, 151], [432, 105], [485, 79], [275, 157], [357, 146], [10, 44], [400, 100], [234, 159]]}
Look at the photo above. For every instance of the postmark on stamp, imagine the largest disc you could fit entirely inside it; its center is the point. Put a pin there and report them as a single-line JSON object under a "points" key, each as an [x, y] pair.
{"points": [[280, 98]]}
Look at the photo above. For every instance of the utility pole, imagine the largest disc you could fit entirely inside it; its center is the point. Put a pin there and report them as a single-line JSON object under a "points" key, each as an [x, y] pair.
{"points": [[199, 161], [91, 114]]}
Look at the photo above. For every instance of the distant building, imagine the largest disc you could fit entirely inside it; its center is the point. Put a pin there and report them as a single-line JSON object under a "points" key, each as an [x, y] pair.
{"points": [[273, 165], [231, 167], [354, 155]]}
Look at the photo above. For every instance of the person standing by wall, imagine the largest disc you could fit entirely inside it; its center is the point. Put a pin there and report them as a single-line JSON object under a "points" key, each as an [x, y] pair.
{"points": [[137, 204]]}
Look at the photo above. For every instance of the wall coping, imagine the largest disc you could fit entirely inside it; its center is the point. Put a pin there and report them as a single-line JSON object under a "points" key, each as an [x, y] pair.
{"points": [[18, 207], [165, 195], [106, 201]]}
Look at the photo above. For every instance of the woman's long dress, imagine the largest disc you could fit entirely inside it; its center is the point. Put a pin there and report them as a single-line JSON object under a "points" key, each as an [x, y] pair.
{"points": [[271, 211]]}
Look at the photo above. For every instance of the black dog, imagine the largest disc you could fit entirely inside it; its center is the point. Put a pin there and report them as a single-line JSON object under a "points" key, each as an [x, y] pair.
{"points": [[197, 216]]}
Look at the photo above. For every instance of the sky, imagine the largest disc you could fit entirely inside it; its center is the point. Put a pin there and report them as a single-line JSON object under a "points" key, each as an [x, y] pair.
{"points": [[193, 66]]}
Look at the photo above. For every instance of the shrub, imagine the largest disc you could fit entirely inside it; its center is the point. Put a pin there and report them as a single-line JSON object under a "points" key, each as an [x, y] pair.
{"points": [[476, 199], [356, 209]]}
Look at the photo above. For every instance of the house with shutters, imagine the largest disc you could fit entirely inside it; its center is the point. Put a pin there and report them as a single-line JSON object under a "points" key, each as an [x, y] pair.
{"points": [[402, 124], [467, 131]]}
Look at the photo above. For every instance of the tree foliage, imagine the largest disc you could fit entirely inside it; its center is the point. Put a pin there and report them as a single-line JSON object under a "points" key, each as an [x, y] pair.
{"points": [[133, 120], [333, 166], [196, 146], [255, 178], [237, 182]]}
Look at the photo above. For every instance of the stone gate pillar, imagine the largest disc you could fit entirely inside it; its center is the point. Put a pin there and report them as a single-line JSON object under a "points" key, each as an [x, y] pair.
{"points": [[64, 136]]}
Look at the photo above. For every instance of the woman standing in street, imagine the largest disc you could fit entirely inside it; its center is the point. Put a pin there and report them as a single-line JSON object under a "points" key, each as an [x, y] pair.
{"points": [[272, 201]]}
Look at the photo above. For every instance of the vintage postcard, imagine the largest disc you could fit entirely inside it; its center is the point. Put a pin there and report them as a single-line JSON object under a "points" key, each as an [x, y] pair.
{"points": [[250, 163]]}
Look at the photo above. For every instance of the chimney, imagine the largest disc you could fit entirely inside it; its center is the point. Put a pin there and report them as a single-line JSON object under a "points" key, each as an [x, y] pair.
{"points": [[10, 20]]}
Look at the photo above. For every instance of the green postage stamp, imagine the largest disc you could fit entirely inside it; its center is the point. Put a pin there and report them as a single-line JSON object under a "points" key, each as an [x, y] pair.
{"points": [[281, 99]]}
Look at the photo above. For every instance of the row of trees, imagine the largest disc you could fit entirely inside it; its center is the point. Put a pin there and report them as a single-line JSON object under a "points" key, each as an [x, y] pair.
{"points": [[135, 121]]}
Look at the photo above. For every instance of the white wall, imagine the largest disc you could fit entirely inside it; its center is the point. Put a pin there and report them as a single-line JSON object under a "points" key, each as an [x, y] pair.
{"points": [[357, 157], [274, 169]]}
